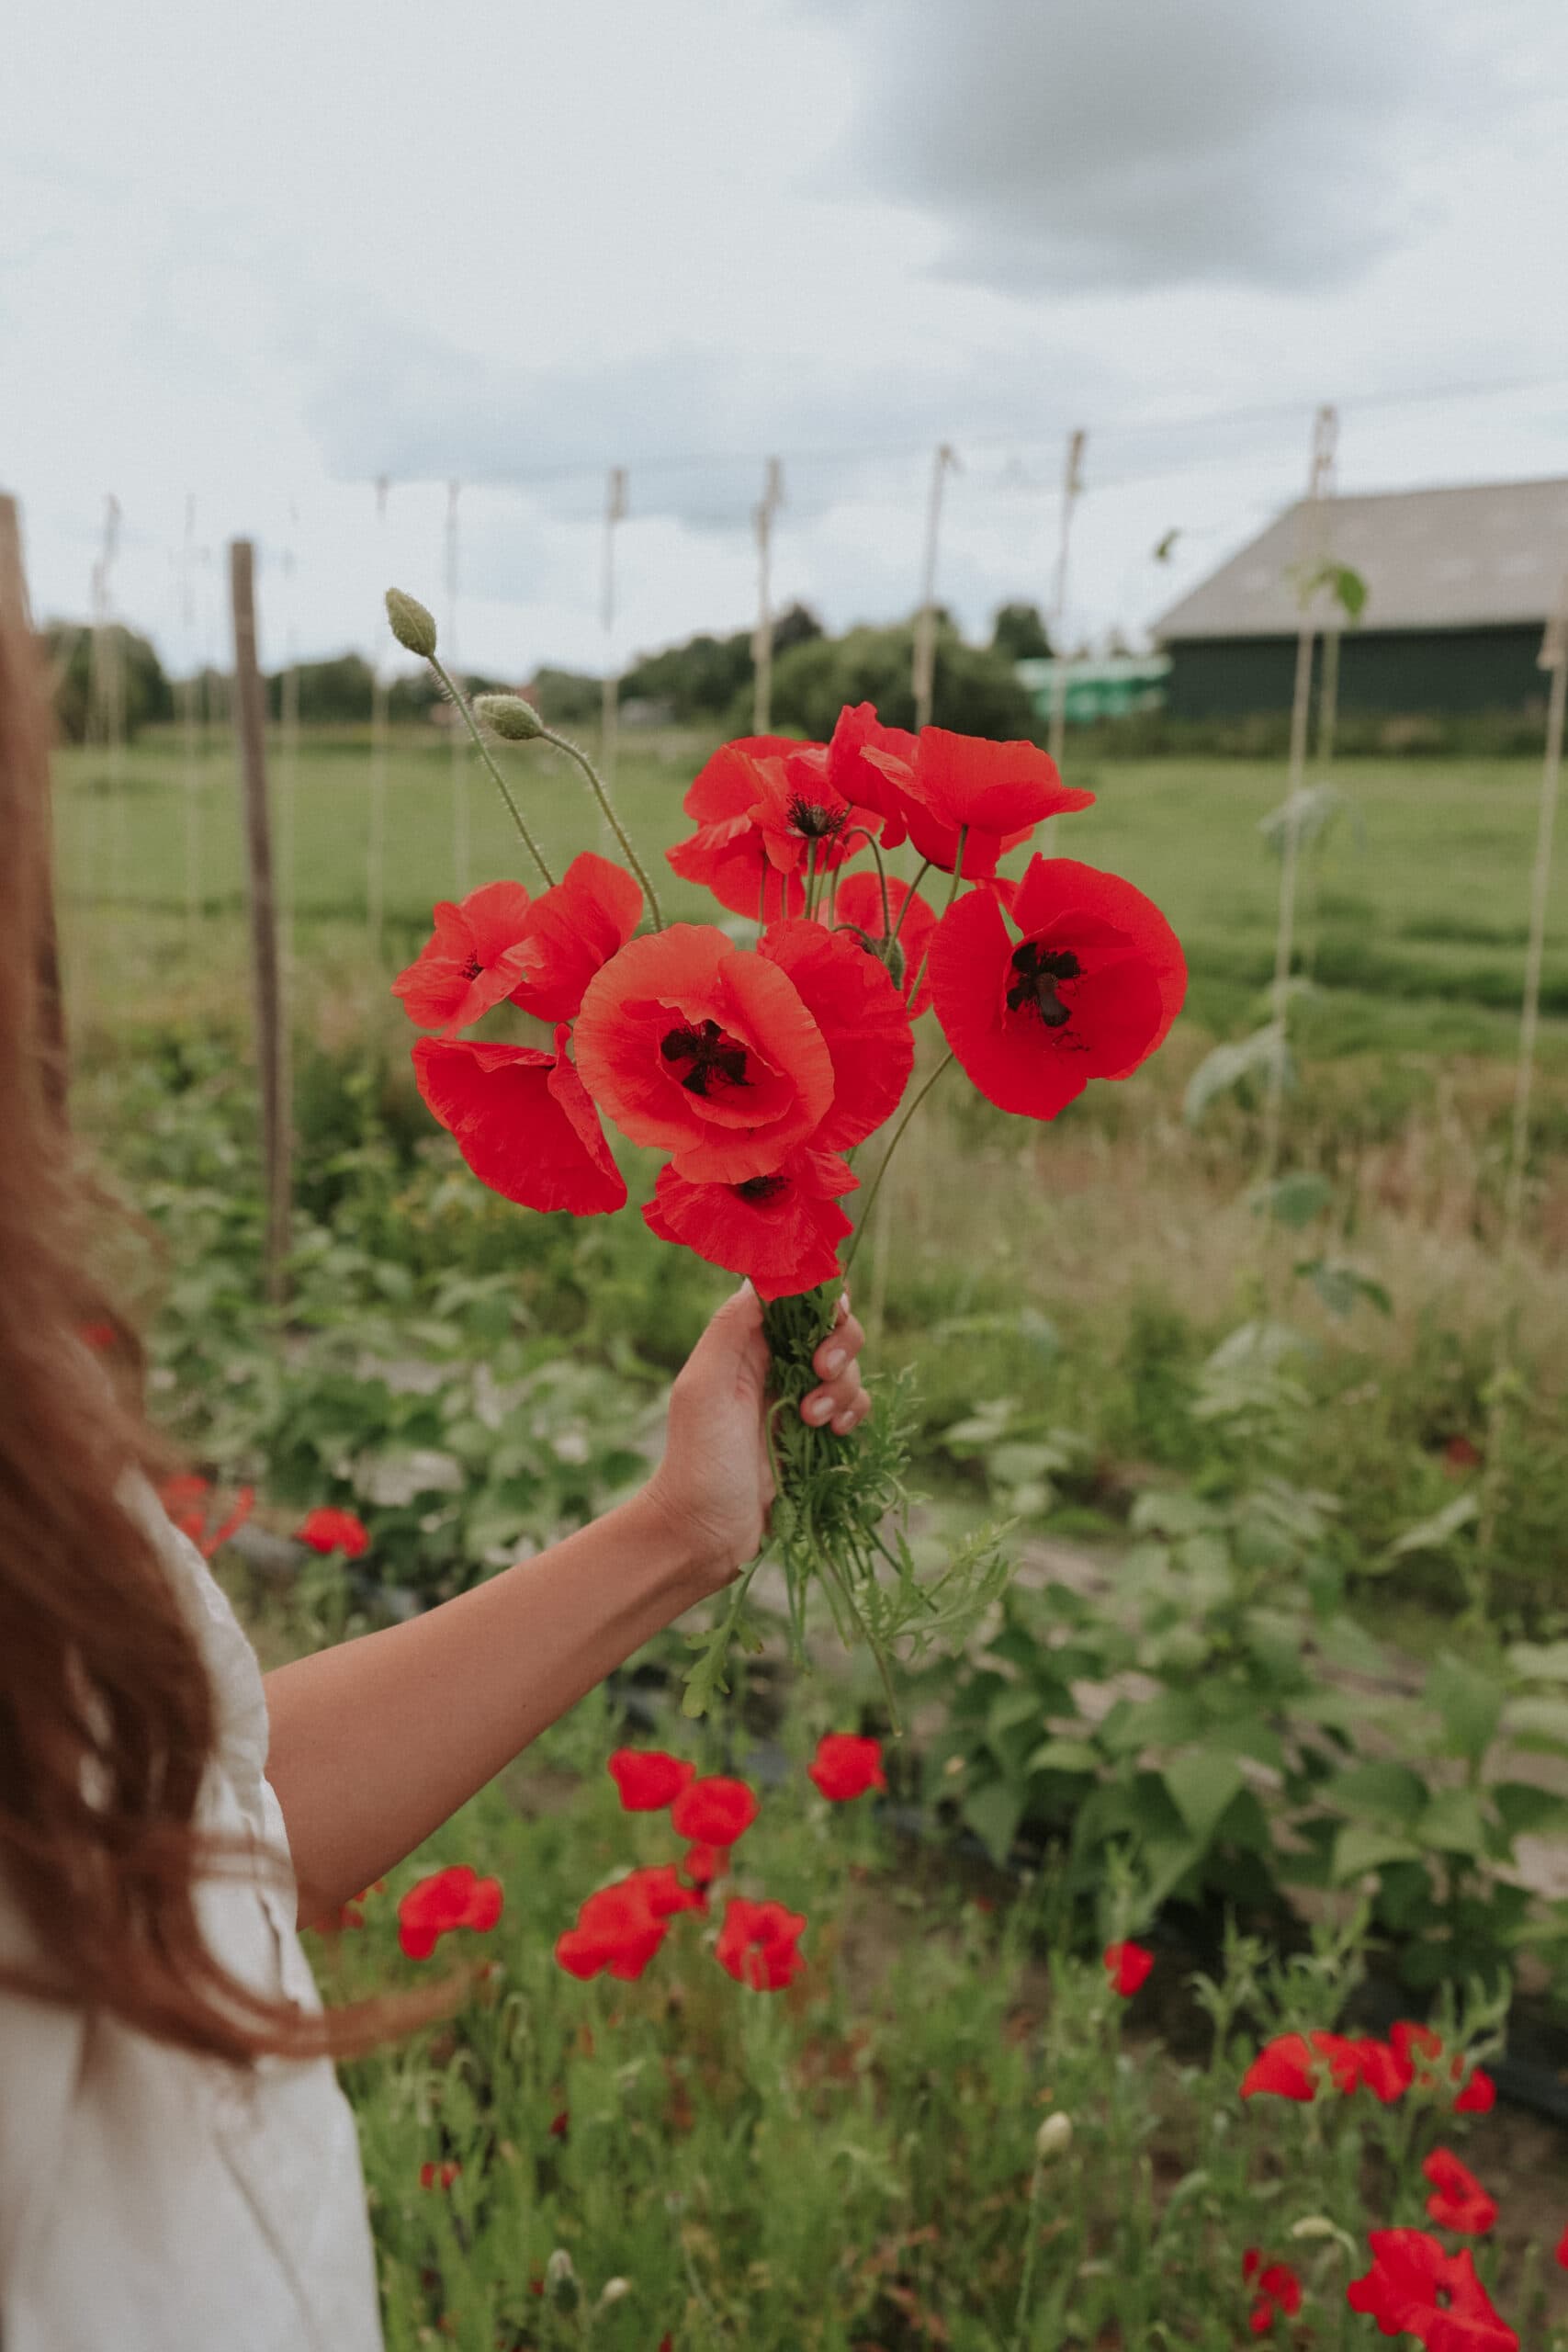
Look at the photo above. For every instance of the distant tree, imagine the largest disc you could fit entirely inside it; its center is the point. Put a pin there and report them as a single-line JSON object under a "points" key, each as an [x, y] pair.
{"points": [[416, 695], [975, 690], [698, 680], [129, 675], [796, 624], [1019, 634], [565, 697], [336, 693]]}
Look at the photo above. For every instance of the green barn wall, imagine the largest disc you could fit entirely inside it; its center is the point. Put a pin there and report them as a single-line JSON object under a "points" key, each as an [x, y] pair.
{"points": [[1389, 670]]}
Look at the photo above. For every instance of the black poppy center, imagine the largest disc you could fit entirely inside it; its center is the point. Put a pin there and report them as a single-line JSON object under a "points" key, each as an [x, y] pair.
{"points": [[712, 1058], [816, 822], [473, 968], [763, 1188], [1039, 969]]}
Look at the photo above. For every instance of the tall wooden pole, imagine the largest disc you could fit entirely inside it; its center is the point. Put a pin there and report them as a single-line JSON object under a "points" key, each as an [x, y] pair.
{"points": [[376, 830], [250, 720], [1320, 474], [461, 859], [762, 642], [609, 710], [1072, 487], [188, 686], [923, 670], [16, 614]]}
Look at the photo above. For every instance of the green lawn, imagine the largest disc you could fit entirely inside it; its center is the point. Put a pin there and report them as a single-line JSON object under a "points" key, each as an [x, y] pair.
{"points": [[1413, 917]]}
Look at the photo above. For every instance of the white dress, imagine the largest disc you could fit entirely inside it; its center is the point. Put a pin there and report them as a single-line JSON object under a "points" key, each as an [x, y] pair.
{"points": [[151, 2200]]}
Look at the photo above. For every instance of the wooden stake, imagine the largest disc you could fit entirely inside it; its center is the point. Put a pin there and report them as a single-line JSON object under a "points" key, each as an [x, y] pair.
{"points": [[16, 613], [923, 668], [1325, 437], [106, 697], [188, 725], [609, 710], [1072, 486], [461, 858], [250, 717], [762, 642]]}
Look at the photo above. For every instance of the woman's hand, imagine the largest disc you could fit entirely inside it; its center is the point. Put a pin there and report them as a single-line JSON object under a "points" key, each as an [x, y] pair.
{"points": [[715, 1487]]}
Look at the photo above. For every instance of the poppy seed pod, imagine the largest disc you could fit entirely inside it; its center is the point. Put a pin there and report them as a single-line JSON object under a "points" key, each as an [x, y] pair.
{"points": [[508, 715], [414, 628]]}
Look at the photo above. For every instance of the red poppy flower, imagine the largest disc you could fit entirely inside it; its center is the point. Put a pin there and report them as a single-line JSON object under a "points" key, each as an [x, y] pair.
{"points": [[522, 1121], [765, 809], [758, 1944], [434, 2176], [846, 1766], [875, 785], [703, 1863], [781, 1229], [851, 997], [1278, 2291], [714, 1812], [689, 1044], [666, 1894], [1088, 991], [1342, 2059], [187, 1500], [857, 902], [647, 1779], [1128, 1966], [1383, 2070], [994, 793], [325, 1529], [1284, 2068], [560, 2124], [1562, 2254], [617, 1929], [1415, 2289], [475, 956], [572, 929], [1457, 2201], [447, 1900], [1478, 2096]]}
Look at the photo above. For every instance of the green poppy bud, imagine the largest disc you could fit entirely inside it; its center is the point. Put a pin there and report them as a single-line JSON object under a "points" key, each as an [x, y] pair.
{"points": [[1054, 2138], [414, 628], [561, 2281], [509, 717]]}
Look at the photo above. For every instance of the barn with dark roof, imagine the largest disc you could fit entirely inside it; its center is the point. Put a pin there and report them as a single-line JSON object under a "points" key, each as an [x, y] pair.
{"points": [[1458, 584]]}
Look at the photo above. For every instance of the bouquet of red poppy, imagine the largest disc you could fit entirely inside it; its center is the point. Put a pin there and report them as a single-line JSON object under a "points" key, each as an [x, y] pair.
{"points": [[760, 1053]]}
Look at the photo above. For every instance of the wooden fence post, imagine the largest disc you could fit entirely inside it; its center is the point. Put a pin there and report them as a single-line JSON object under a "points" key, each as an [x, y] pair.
{"points": [[16, 613], [250, 717], [922, 678], [763, 636]]}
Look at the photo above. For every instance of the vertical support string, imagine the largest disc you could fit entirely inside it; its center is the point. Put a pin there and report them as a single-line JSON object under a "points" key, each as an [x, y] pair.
{"points": [[250, 718], [1320, 472], [609, 708], [376, 826], [461, 854], [105, 697], [189, 753], [288, 781], [924, 667], [1072, 489], [762, 641]]}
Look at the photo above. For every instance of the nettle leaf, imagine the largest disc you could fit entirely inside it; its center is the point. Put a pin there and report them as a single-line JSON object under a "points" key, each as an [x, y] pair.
{"points": [[1436, 1534], [1453, 1823], [994, 1814], [1293, 1200], [1361, 1847], [1342, 1288], [1470, 1703], [1201, 1785], [1063, 1756], [1527, 1811], [1170, 1511], [1382, 1791], [1265, 1056]]}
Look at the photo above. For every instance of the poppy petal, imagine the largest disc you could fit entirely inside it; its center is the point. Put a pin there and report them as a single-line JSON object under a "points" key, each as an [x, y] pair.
{"points": [[572, 929], [474, 957], [782, 1230], [859, 1012], [858, 902], [522, 1121]]}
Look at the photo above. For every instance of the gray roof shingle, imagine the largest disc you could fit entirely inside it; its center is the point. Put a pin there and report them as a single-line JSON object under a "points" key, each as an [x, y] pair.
{"points": [[1486, 554]]}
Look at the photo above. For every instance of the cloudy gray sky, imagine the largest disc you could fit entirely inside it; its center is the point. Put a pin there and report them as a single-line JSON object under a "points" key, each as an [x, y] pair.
{"points": [[256, 259]]}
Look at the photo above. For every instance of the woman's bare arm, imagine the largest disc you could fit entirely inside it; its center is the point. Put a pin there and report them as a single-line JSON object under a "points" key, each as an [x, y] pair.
{"points": [[376, 1742]]}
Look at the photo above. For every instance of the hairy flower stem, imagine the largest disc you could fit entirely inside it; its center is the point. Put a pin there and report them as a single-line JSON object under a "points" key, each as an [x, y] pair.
{"points": [[952, 893], [870, 1201], [459, 703], [889, 933], [910, 899], [564, 743]]}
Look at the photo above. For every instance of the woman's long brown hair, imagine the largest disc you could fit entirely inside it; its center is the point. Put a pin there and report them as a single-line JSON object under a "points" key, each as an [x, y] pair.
{"points": [[106, 1716]]}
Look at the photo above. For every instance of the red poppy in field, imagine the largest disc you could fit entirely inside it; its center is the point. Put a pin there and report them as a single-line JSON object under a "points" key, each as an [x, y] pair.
{"points": [[1128, 1966], [187, 1499], [857, 908], [1478, 2096], [572, 929], [432, 2176], [1457, 2201], [991, 794], [876, 784], [859, 1012], [560, 2124], [475, 956], [759, 1944], [1381, 2069], [522, 1121], [710, 1052], [352, 1913], [703, 1863], [1415, 2289], [846, 1766], [714, 1812], [766, 811], [443, 1901], [1089, 990], [1342, 2059], [1284, 2068], [1562, 2254], [781, 1229], [325, 1529], [1277, 2290], [666, 1894], [1412, 2042], [647, 1779], [617, 1929]]}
